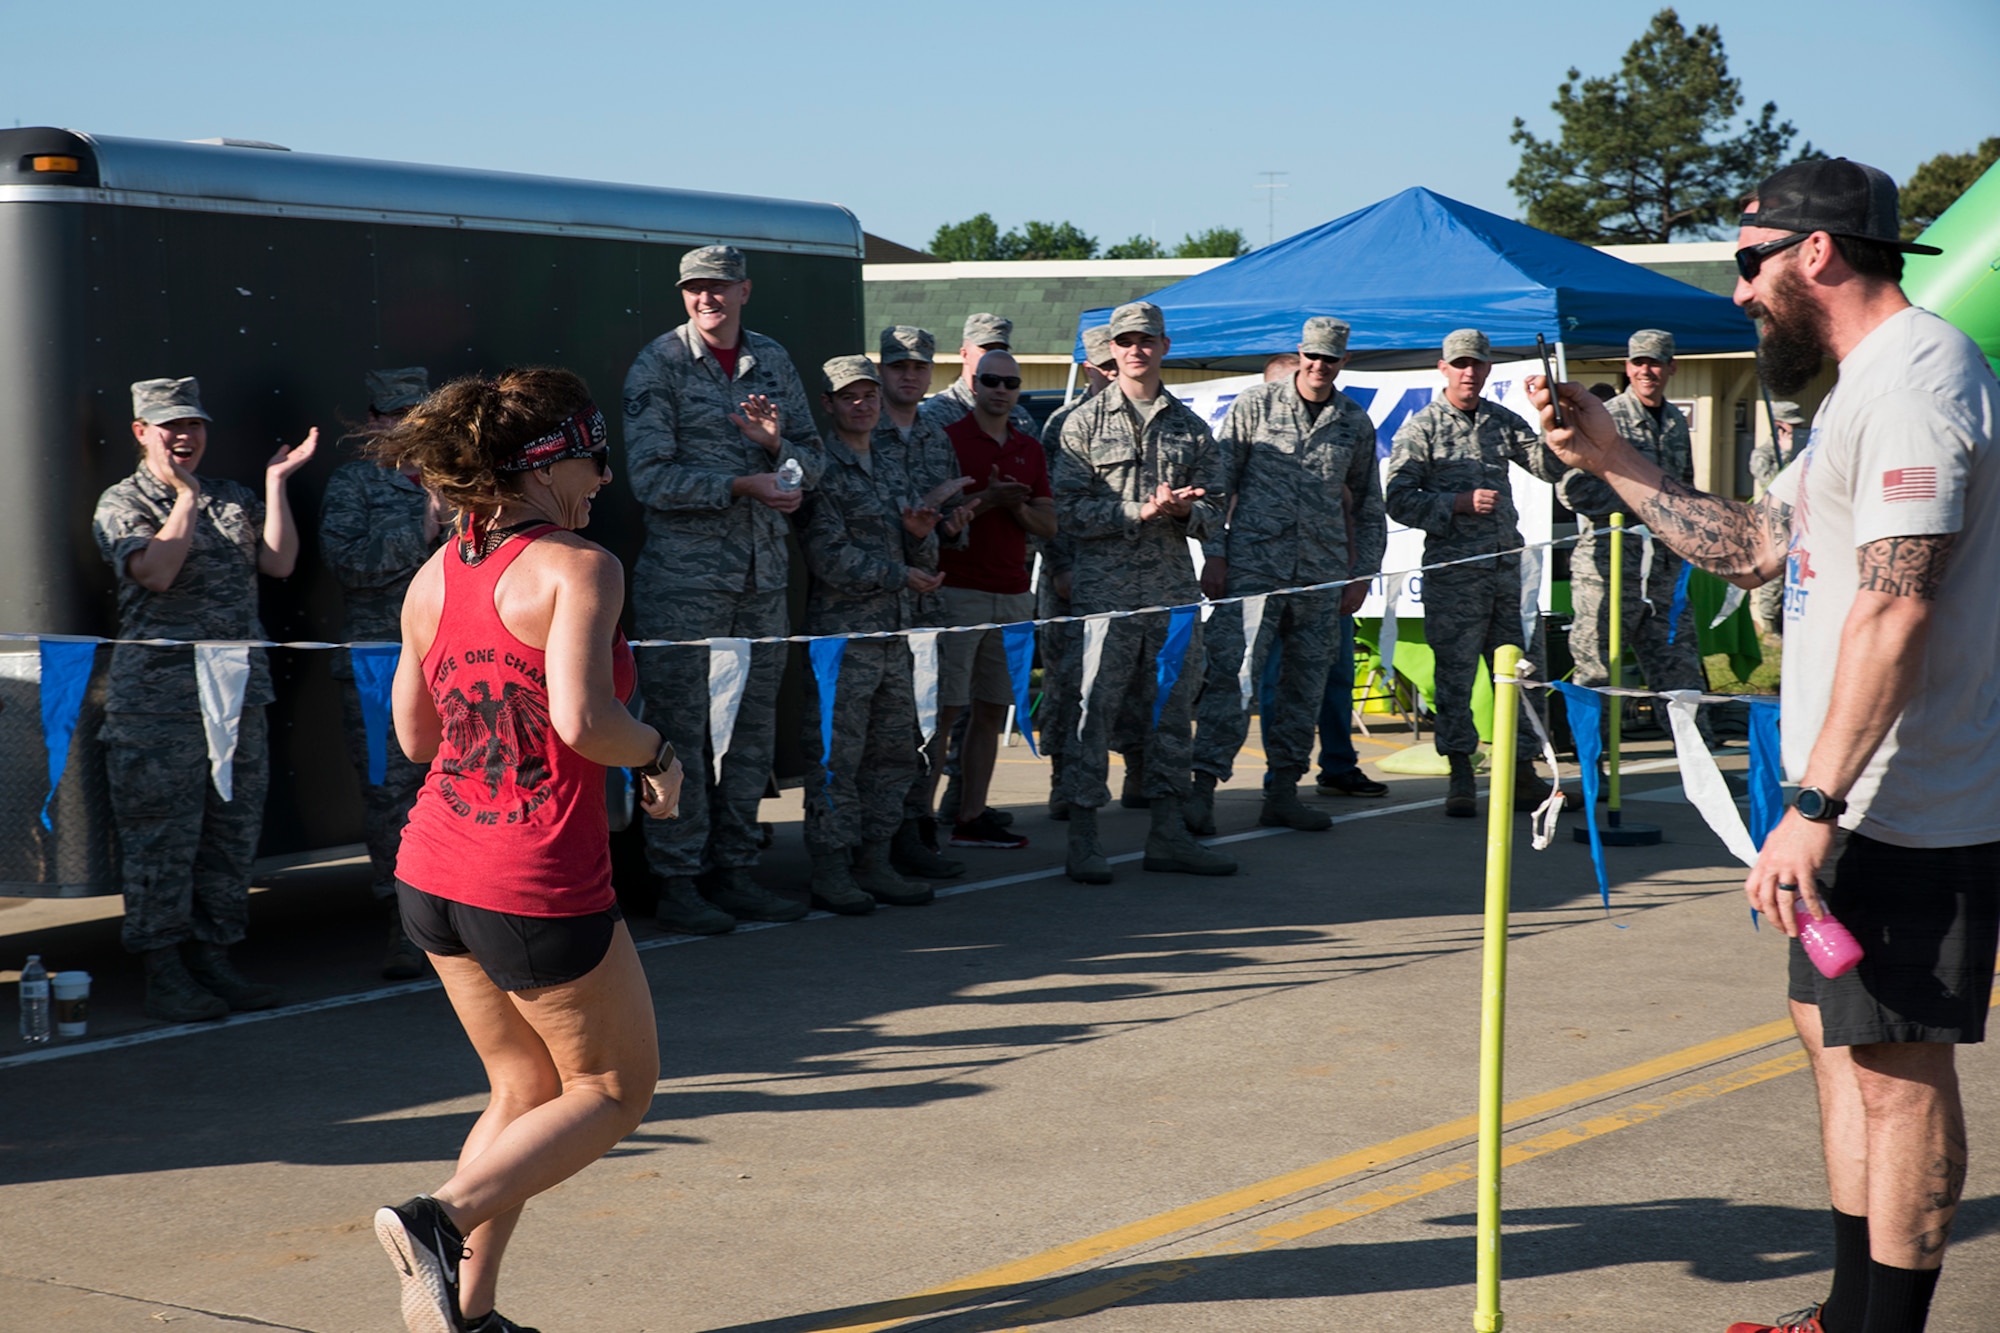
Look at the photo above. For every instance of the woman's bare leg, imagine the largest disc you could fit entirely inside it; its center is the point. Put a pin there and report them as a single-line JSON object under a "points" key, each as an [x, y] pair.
{"points": [[572, 1069]]}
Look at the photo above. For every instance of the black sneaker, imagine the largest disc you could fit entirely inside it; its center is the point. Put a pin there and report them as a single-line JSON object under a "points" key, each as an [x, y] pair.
{"points": [[983, 830], [1351, 783], [495, 1322], [426, 1249]]}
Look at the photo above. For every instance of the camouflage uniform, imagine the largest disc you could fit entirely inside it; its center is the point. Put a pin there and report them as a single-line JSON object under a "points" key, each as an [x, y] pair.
{"points": [[1108, 465], [1469, 610], [1767, 601], [858, 552], [371, 534], [712, 566], [954, 402], [1667, 666], [186, 852], [1289, 475]]}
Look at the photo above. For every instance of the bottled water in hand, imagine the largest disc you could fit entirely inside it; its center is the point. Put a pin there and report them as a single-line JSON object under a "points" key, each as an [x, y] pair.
{"points": [[790, 475], [34, 1001]]}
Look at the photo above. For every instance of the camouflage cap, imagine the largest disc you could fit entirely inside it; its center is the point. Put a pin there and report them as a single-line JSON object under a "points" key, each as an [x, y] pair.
{"points": [[1138, 317], [1097, 344], [988, 331], [1466, 342], [907, 342], [157, 402], [842, 371], [714, 263], [1324, 336], [1787, 413], [1650, 345], [397, 390]]}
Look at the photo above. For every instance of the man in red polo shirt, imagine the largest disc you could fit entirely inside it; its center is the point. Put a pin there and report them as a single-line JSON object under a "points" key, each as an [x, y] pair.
{"points": [[987, 583]]}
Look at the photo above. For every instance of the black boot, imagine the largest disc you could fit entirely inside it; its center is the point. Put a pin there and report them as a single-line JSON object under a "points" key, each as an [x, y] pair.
{"points": [[1460, 801], [209, 965], [172, 995]]}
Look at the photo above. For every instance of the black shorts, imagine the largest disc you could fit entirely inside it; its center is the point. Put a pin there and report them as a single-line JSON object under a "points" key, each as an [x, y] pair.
{"points": [[516, 952], [1927, 919]]}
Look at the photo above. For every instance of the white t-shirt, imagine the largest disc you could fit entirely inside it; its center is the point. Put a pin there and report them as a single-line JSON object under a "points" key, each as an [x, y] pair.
{"points": [[1903, 447]]}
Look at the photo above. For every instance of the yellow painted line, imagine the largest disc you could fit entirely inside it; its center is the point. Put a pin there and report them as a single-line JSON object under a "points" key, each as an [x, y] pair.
{"points": [[890, 1313], [1154, 1276]]}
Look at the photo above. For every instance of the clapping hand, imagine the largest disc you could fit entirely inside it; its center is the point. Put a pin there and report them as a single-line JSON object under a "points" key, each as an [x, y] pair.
{"points": [[287, 461], [917, 580], [1004, 492], [1170, 501], [958, 517], [920, 522]]}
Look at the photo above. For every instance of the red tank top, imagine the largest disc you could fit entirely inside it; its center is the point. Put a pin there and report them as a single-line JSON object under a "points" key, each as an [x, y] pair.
{"points": [[509, 818]]}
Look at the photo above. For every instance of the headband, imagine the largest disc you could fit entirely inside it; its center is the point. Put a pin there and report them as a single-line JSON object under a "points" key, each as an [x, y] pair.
{"points": [[580, 435]]}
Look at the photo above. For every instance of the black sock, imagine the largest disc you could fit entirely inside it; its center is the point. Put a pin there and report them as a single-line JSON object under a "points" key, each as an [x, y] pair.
{"points": [[1846, 1307], [1899, 1299]]}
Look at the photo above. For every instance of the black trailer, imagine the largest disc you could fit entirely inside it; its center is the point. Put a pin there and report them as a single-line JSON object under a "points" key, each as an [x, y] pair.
{"points": [[278, 279]]}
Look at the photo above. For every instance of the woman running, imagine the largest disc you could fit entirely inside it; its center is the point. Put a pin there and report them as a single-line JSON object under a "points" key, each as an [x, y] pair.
{"points": [[511, 686]]}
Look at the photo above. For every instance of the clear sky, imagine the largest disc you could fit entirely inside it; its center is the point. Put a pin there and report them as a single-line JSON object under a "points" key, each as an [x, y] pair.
{"points": [[1155, 118]]}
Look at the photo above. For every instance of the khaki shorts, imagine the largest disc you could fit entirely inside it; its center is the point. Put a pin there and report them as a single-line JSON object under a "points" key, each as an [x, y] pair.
{"points": [[974, 666]]}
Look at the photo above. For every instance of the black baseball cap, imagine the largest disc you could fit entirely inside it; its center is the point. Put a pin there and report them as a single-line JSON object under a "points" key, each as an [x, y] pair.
{"points": [[1831, 194]]}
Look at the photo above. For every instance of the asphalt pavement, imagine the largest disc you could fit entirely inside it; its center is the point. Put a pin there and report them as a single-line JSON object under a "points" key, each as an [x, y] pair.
{"points": [[1171, 1103]]}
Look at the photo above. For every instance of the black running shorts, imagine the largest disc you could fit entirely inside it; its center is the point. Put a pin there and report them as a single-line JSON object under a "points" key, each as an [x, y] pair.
{"points": [[516, 952], [1927, 919]]}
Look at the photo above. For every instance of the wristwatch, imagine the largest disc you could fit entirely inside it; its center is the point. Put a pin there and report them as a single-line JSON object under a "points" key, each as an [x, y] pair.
{"points": [[1816, 805], [661, 761]]}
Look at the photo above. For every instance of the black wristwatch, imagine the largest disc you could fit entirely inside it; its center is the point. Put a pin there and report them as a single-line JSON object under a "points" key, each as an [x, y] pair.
{"points": [[662, 761], [1816, 805]]}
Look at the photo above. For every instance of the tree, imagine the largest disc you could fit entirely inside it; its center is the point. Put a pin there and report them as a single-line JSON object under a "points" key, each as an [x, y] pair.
{"points": [[1136, 247], [1215, 243], [979, 238], [1644, 154], [1935, 185], [975, 238]]}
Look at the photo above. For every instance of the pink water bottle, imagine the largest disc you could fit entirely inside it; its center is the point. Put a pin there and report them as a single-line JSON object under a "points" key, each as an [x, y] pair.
{"points": [[1831, 946]]}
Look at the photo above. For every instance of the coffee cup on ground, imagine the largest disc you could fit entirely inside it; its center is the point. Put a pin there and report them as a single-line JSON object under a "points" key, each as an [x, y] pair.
{"points": [[71, 992]]}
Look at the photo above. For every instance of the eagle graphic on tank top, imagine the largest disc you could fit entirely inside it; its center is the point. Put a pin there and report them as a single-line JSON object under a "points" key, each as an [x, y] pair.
{"points": [[493, 735]]}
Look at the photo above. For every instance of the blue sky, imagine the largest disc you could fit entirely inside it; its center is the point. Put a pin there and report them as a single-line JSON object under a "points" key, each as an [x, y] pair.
{"points": [[1154, 118]]}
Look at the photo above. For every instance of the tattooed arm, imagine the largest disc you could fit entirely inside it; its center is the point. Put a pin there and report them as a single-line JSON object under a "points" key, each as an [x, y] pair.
{"points": [[1881, 663], [1743, 543]]}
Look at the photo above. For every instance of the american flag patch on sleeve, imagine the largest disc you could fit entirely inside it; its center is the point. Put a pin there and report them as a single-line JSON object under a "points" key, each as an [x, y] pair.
{"points": [[1909, 483]]}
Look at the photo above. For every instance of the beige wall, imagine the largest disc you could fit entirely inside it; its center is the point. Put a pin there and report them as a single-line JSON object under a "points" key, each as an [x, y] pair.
{"points": [[1052, 372]]}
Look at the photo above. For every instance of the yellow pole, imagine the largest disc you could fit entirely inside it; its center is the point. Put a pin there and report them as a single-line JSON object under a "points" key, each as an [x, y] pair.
{"points": [[1493, 984], [1615, 660]]}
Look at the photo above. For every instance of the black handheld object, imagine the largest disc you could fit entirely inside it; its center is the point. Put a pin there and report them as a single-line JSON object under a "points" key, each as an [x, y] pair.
{"points": [[1549, 375]]}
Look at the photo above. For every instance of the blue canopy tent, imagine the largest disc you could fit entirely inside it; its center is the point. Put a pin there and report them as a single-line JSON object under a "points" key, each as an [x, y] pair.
{"points": [[1409, 270]]}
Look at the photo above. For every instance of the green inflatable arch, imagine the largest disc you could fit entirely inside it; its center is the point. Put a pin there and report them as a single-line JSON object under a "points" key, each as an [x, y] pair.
{"points": [[1963, 284]]}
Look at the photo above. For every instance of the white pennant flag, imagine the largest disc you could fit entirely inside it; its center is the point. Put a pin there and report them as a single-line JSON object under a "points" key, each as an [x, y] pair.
{"points": [[1392, 592], [1702, 780], [221, 673], [1730, 601], [1094, 631], [728, 673], [1645, 561], [1531, 595], [924, 676], [1253, 620]]}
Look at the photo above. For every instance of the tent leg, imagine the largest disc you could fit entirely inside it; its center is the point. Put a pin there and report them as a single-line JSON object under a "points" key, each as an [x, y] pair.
{"points": [[1069, 389]]}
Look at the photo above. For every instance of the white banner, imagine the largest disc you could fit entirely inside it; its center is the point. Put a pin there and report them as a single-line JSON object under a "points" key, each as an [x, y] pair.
{"points": [[1390, 397], [1702, 780], [924, 679], [1093, 654], [1253, 620], [221, 672]]}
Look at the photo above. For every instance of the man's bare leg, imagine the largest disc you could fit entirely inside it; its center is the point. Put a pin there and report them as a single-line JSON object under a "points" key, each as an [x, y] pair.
{"points": [[1916, 1149]]}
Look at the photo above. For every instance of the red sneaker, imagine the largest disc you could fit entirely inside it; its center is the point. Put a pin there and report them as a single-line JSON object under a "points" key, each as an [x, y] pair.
{"points": [[1798, 1321]]}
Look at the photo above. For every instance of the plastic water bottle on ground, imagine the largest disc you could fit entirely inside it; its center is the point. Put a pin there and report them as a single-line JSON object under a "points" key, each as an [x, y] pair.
{"points": [[791, 476], [34, 1001]]}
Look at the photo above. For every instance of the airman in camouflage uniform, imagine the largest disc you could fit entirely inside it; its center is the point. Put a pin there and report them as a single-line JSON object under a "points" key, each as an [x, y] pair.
{"points": [[1137, 475], [1290, 461], [872, 549], [1659, 431], [1768, 457], [376, 529], [1448, 475], [703, 446], [186, 551], [983, 333]]}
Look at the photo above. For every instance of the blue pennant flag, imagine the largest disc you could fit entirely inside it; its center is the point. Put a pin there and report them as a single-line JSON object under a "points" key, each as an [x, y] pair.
{"points": [[374, 675], [1680, 603], [825, 655], [1173, 655], [65, 674], [1020, 641], [1767, 781], [1586, 722]]}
